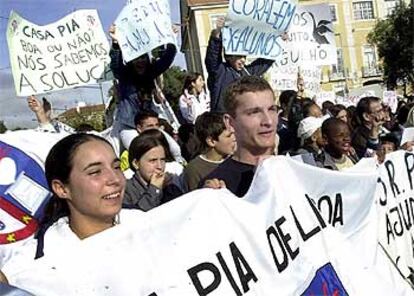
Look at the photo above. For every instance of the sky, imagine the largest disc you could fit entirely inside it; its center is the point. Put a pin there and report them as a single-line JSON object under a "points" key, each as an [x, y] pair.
{"points": [[13, 110]]}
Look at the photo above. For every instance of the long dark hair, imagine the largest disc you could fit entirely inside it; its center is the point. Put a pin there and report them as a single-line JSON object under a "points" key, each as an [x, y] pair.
{"points": [[189, 79], [58, 166]]}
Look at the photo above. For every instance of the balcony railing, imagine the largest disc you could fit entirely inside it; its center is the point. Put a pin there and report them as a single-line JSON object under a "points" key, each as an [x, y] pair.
{"points": [[371, 72]]}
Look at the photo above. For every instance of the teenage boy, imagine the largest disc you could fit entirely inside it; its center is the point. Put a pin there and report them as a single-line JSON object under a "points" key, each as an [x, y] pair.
{"points": [[216, 143], [338, 153]]}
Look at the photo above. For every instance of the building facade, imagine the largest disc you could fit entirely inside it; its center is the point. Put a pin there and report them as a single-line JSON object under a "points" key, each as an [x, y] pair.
{"points": [[357, 60]]}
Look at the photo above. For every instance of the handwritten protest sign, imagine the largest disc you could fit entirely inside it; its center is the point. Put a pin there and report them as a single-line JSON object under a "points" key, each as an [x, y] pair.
{"points": [[283, 78], [68, 53], [254, 27], [142, 26], [311, 38], [396, 215], [389, 98]]}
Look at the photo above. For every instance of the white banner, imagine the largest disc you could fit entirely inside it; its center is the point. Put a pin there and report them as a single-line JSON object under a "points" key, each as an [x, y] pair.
{"points": [[208, 242], [396, 203], [142, 26], [311, 38], [253, 27], [68, 53]]}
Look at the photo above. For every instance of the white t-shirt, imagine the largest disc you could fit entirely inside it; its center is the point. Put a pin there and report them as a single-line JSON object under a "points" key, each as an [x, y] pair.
{"points": [[97, 265]]}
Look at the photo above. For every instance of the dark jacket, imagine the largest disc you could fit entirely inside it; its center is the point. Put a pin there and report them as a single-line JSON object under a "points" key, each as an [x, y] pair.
{"points": [[139, 195], [221, 74], [131, 86], [361, 141]]}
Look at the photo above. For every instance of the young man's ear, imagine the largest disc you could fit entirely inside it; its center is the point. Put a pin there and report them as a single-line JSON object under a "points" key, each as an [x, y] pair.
{"points": [[138, 128], [210, 142], [229, 122], [60, 189]]}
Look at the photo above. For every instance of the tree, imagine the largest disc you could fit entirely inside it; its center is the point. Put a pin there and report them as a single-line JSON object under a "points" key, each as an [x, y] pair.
{"points": [[394, 39], [3, 127], [173, 85]]}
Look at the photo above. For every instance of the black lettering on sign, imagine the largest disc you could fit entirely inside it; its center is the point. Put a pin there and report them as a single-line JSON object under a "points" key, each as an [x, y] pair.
{"points": [[335, 214], [391, 175], [68, 27], [409, 164], [29, 47], [382, 197], [283, 243], [389, 229], [397, 230], [228, 274], [24, 82], [206, 267], [33, 33], [241, 265], [305, 236], [244, 271], [316, 211], [44, 81]]}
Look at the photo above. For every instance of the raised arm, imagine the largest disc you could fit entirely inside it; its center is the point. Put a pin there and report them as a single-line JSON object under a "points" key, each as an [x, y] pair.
{"points": [[214, 48], [117, 63]]}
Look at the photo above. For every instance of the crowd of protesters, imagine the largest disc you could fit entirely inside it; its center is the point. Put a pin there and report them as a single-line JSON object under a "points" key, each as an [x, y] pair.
{"points": [[225, 131]]}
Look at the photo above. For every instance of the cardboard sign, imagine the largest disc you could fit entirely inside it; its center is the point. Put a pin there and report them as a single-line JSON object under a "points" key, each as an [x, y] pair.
{"points": [[253, 27], [142, 26], [311, 38], [68, 53]]}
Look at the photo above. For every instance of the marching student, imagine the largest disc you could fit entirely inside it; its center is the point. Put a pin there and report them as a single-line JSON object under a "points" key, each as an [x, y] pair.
{"points": [[137, 85], [150, 186], [338, 153], [252, 116], [194, 101], [221, 74], [216, 143]]}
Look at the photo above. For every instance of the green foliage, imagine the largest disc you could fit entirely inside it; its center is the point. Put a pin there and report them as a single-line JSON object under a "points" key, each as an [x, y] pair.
{"points": [[394, 39], [3, 127], [173, 85], [96, 120]]}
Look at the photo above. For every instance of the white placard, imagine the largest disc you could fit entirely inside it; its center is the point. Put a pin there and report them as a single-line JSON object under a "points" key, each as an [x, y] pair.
{"points": [[68, 53], [142, 26]]}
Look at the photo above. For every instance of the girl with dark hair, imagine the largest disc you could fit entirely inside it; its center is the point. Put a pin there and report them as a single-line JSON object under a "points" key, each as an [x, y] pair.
{"points": [[339, 111], [194, 100], [84, 175], [150, 186]]}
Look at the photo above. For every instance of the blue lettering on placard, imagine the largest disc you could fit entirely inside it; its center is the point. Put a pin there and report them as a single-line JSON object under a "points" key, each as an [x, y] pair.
{"points": [[253, 42], [276, 13], [326, 282]]}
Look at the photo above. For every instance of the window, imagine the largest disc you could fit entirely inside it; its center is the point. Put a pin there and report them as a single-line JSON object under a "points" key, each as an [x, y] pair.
{"points": [[338, 70], [339, 67], [390, 7], [332, 9], [363, 10], [370, 61]]}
